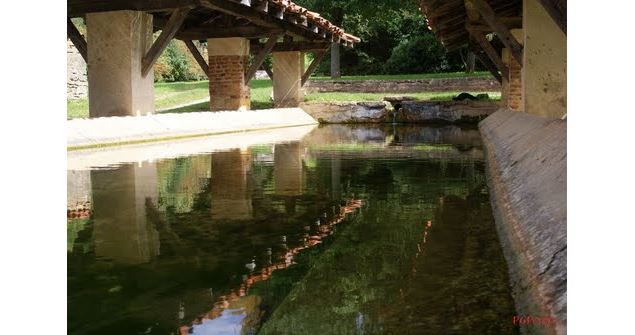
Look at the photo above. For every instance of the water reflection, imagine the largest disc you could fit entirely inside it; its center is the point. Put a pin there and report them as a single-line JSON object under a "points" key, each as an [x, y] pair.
{"points": [[349, 230]]}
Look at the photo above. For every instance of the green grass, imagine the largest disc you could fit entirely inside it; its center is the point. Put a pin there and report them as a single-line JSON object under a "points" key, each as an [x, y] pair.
{"points": [[177, 94]]}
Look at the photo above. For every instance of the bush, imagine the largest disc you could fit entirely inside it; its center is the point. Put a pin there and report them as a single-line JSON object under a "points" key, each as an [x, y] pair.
{"points": [[177, 64], [419, 54]]}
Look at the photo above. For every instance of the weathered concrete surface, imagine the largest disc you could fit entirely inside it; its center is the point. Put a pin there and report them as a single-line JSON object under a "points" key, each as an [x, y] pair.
{"points": [[287, 86], [347, 112], [545, 63], [405, 86], [131, 129], [444, 111], [527, 173], [118, 42]]}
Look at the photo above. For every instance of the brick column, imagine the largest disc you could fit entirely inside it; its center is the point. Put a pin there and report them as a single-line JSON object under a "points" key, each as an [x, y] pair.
{"points": [[227, 66], [545, 63], [118, 42], [287, 79], [512, 86]]}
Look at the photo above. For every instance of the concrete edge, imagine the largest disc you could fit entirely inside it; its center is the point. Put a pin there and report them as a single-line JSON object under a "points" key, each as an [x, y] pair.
{"points": [[530, 228], [120, 131]]}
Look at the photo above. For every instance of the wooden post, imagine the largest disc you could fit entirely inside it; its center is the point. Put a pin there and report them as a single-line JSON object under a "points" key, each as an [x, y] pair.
{"points": [[491, 53], [501, 30], [314, 64], [78, 40], [170, 29], [260, 57], [197, 56]]}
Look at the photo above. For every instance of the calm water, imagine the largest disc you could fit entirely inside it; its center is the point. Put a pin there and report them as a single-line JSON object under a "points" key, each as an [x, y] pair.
{"points": [[351, 230]]}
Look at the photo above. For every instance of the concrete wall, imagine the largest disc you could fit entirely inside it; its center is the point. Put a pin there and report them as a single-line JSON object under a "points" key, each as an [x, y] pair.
{"points": [[288, 68], [545, 63], [527, 176], [76, 79]]}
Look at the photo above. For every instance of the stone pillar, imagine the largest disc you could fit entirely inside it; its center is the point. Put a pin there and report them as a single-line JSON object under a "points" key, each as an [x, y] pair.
{"points": [[121, 227], [231, 196], [511, 94], [545, 63], [287, 79], [227, 66], [118, 42]]}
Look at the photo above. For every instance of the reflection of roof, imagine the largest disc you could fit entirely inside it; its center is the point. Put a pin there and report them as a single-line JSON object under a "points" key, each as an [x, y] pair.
{"points": [[228, 18], [325, 230]]}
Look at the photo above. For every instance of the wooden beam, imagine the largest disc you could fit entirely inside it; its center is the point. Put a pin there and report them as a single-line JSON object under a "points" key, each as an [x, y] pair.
{"points": [[78, 40], [488, 65], [558, 12], [314, 64], [491, 53], [205, 32], [197, 56], [170, 29], [260, 57], [500, 29], [293, 46], [268, 70], [76, 8]]}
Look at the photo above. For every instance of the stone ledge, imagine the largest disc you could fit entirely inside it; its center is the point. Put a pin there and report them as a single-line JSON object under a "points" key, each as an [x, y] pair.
{"points": [[444, 111], [526, 171], [405, 86]]}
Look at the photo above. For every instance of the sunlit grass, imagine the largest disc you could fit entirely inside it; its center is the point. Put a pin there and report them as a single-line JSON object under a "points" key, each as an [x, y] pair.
{"points": [[181, 93]]}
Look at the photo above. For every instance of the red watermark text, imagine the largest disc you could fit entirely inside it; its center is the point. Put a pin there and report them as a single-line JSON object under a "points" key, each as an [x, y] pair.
{"points": [[528, 320]]}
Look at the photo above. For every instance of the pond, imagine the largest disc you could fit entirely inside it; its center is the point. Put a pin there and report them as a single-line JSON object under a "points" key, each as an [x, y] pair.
{"points": [[343, 230]]}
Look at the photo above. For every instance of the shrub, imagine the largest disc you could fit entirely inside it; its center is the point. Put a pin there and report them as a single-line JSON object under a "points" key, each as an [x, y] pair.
{"points": [[418, 54]]}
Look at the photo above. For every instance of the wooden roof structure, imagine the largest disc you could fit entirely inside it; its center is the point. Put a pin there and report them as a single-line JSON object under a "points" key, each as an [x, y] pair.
{"points": [[203, 19], [461, 23]]}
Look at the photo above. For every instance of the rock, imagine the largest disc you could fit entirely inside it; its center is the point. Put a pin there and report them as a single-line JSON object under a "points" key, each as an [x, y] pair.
{"points": [[445, 111], [347, 112]]}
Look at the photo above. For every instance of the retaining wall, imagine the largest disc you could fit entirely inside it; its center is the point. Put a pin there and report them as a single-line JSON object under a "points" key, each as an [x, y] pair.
{"points": [[527, 174], [470, 84]]}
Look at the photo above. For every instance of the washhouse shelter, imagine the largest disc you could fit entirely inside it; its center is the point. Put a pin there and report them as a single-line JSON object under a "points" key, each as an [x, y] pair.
{"points": [[120, 49], [523, 43]]}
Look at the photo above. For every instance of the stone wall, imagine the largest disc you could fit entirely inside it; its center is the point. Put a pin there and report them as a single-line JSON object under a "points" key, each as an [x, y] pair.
{"points": [[526, 159], [76, 79], [483, 84]]}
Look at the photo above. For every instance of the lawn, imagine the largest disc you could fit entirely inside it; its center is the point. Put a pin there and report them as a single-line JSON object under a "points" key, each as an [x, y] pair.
{"points": [[176, 95]]}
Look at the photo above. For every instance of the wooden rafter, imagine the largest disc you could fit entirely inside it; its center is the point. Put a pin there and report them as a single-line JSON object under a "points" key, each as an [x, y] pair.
{"points": [[488, 65], [293, 46], [558, 12], [205, 32], [77, 8], [501, 30], [168, 32], [479, 37], [197, 56], [77, 39], [319, 55], [260, 57]]}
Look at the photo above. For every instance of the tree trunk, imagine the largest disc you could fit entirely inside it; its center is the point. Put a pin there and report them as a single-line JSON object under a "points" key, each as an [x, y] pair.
{"points": [[338, 17], [470, 63]]}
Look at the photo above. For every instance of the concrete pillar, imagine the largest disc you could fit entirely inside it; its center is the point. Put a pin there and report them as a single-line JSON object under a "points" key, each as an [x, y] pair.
{"points": [[545, 63], [118, 42], [231, 196], [121, 227], [227, 66], [288, 68], [512, 86]]}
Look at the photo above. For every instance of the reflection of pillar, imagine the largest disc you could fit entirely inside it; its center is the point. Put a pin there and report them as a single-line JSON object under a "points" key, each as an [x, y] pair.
{"points": [[122, 231], [228, 59], [336, 183], [118, 42], [287, 169], [231, 198], [78, 190]]}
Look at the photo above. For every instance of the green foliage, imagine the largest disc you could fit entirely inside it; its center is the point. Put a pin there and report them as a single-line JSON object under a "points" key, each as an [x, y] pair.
{"points": [[177, 64], [419, 54]]}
